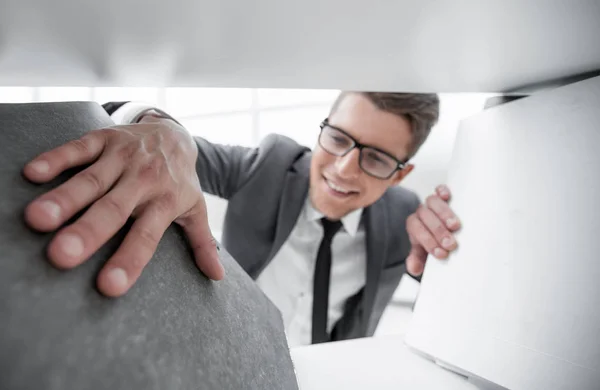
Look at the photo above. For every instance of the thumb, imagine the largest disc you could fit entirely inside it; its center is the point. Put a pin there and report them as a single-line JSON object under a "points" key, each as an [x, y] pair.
{"points": [[204, 245], [415, 262]]}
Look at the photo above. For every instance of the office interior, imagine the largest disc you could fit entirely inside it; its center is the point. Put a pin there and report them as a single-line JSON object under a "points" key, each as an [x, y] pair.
{"points": [[244, 116], [521, 317]]}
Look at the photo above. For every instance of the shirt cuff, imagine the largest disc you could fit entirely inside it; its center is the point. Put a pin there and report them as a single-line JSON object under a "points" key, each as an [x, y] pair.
{"points": [[132, 112]]}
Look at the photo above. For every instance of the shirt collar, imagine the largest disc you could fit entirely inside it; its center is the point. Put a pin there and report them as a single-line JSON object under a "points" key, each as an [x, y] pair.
{"points": [[350, 221]]}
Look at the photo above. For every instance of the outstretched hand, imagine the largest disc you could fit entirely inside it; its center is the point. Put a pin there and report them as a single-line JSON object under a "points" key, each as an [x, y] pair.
{"points": [[146, 171], [430, 230]]}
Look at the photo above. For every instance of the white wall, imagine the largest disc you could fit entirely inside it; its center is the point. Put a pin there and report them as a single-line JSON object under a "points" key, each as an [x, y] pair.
{"points": [[432, 159]]}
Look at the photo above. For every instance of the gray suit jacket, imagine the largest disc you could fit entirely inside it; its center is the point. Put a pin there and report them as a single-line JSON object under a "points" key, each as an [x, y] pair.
{"points": [[266, 188]]}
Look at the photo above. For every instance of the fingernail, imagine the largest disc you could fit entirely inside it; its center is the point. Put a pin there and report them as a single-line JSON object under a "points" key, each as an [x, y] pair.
{"points": [[51, 209], [447, 242], [218, 271], [71, 245], [438, 253], [117, 278], [220, 265], [415, 268], [40, 166], [451, 222]]}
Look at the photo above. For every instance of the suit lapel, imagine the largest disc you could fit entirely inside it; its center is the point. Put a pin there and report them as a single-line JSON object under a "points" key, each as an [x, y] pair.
{"points": [[376, 226], [295, 190]]}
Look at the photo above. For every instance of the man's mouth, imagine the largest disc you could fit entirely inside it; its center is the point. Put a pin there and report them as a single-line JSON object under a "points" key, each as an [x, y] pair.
{"points": [[339, 189]]}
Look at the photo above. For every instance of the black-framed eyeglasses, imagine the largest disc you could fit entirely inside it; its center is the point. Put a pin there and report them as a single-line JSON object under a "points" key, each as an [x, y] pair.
{"points": [[372, 161]]}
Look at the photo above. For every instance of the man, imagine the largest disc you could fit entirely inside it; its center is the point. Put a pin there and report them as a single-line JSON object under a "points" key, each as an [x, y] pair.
{"points": [[331, 224]]}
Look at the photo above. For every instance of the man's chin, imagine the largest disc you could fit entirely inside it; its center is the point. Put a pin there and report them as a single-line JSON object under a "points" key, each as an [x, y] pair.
{"points": [[332, 205], [333, 208]]}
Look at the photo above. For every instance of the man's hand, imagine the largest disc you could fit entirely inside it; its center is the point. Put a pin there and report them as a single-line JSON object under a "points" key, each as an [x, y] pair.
{"points": [[430, 230], [146, 171]]}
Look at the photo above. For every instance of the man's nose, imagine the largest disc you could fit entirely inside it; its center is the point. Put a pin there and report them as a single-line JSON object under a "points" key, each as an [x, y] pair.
{"points": [[348, 165]]}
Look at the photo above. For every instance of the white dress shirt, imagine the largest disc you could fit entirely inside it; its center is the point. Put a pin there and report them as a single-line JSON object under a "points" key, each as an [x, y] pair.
{"points": [[288, 279]]}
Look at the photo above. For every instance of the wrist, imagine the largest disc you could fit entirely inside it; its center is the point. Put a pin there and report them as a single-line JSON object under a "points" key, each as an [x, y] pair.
{"points": [[158, 117], [134, 112], [153, 114]]}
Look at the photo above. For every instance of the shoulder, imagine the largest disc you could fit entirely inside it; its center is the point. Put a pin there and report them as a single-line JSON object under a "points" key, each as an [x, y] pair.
{"points": [[401, 201], [280, 149], [282, 143]]}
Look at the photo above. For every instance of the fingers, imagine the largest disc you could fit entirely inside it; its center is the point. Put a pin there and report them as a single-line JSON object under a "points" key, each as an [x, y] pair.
{"points": [[430, 230], [55, 207], [415, 262], [78, 241], [443, 211], [152, 175], [422, 236], [435, 225], [202, 241], [48, 165], [125, 267], [443, 191]]}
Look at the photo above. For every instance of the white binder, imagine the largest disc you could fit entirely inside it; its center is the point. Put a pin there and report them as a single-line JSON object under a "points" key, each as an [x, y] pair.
{"points": [[518, 303]]}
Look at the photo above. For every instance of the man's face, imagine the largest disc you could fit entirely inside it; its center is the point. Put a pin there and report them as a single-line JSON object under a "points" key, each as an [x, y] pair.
{"points": [[337, 184]]}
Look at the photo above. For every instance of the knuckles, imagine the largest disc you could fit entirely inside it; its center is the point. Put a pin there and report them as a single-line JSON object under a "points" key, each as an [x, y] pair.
{"points": [[113, 134], [117, 207], [82, 145], [160, 159], [148, 238], [127, 152], [151, 170], [431, 200], [411, 222], [167, 202], [93, 178], [436, 228], [421, 212]]}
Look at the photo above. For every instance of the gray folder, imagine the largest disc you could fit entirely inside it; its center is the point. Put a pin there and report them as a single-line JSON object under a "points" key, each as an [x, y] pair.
{"points": [[175, 329]]}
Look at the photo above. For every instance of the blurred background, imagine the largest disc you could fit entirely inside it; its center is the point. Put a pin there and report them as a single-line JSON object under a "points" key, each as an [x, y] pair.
{"points": [[244, 116]]}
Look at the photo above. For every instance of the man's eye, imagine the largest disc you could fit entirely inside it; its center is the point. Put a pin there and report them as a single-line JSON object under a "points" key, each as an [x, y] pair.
{"points": [[375, 158], [378, 160]]}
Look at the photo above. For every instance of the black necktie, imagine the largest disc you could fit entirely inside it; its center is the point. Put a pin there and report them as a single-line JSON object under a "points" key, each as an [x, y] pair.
{"points": [[321, 282]]}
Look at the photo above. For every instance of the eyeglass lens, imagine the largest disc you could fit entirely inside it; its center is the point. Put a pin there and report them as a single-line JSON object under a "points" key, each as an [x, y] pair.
{"points": [[372, 161]]}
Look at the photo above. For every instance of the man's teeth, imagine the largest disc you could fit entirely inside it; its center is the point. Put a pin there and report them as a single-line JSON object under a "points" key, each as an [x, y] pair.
{"points": [[336, 188]]}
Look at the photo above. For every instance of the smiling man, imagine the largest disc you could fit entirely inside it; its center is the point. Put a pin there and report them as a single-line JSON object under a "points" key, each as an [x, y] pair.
{"points": [[363, 150], [326, 233]]}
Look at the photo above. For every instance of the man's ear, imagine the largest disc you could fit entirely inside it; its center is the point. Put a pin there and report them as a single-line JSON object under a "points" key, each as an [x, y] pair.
{"points": [[401, 174]]}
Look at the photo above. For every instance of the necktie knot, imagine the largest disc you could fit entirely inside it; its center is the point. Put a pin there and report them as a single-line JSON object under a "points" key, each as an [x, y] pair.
{"points": [[330, 228]]}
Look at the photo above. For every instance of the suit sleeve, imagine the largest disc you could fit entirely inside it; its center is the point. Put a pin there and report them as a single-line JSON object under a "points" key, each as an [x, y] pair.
{"points": [[223, 169]]}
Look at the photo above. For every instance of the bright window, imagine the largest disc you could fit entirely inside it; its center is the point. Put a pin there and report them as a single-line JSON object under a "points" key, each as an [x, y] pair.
{"points": [[188, 102], [295, 97], [233, 129], [58, 94], [107, 94], [16, 95], [300, 124]]}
